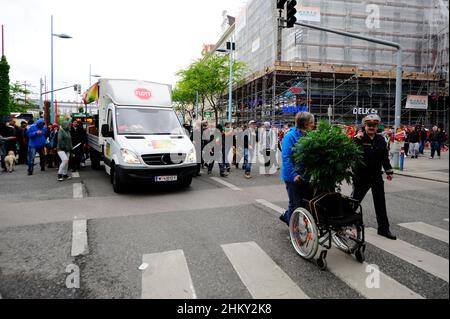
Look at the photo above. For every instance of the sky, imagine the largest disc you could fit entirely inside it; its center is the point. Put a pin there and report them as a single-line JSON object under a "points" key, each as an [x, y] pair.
{"points": [[127, 39]]}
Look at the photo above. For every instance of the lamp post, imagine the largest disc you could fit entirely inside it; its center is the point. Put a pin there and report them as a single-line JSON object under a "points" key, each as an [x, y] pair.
{"points": [[62, 36], [230, 89], [90, 83]]}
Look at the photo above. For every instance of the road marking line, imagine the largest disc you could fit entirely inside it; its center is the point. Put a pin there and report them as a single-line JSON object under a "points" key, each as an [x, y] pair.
{"points": [[358, 275], [416, 256], [77, 190], [79, 238], [276, 208], [167, 276], [75, 175], [428, 230], [231, 186], [263, 278]]}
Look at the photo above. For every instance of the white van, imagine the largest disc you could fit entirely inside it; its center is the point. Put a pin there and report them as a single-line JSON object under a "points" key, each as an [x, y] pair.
{"points": [[138, 135]]}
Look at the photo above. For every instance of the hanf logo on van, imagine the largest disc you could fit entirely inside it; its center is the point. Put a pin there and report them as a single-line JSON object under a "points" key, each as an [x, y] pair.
{"points": [[143, 94]]}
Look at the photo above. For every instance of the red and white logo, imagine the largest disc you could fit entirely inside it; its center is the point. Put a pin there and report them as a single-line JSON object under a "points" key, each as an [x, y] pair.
{"points": [[143, 94]]}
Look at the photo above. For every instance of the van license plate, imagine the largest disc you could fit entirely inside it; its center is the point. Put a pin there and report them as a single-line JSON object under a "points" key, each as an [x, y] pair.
{"points": [[166, 178]]}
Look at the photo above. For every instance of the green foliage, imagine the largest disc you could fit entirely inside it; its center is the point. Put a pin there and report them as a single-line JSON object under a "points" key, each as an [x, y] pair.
{"points": [[328, 156], [19, 98], [210, 78], [4, 87]]}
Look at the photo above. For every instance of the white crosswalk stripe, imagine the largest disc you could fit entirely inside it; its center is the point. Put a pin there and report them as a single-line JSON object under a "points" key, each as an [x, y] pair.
{"points": [[420, 258], [229, 185], [167, 276], [359, 276], [428, 230], [446, 219], [263, 278], [75, 175]]}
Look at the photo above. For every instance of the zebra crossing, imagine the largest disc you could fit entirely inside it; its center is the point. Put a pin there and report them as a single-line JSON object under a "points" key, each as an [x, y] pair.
{"points": [[168, 274]]}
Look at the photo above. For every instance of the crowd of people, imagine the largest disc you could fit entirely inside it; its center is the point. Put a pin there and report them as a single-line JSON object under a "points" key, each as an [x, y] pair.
{"points": [[238, 144], [61, 147]]}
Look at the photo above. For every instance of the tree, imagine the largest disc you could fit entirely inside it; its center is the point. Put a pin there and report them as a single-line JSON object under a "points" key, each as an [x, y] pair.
{"points": [[210, 78], [18, 101], [4, 87], [184, 98]]}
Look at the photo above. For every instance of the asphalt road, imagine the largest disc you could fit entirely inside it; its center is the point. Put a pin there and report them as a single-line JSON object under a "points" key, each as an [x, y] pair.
{"points": [[37, 212]]}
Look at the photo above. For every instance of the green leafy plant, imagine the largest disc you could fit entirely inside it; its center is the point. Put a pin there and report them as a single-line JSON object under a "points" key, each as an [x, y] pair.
{"points": [[4, 87], [328, 156]]}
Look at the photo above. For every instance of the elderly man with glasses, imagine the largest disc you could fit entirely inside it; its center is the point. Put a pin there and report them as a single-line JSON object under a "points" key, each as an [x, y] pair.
{"points": [[369, 174]]}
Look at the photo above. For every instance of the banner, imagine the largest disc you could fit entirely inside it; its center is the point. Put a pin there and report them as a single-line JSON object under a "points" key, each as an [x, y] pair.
{"points": [[419, 102], [308, 14]]}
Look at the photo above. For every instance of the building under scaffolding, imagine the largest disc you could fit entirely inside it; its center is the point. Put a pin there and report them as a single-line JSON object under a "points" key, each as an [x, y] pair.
{"points": [[320, 71]]}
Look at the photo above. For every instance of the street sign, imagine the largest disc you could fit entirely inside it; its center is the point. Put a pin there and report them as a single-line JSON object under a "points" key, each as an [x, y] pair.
{"points": [[208, 115]]}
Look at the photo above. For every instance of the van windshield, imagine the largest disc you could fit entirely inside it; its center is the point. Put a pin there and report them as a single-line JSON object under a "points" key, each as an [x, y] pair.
{"points": [[147, 122]]}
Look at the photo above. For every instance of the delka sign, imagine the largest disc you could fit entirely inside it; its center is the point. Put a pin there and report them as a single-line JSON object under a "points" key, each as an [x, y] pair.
{"points": [[143, 94]]}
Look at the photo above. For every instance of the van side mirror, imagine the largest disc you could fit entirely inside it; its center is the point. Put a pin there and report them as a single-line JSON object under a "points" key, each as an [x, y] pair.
{"points": [[105, 131]]}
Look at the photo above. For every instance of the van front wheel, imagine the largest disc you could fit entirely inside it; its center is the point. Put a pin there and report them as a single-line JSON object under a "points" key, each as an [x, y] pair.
{"points": [[185, 182], [117, 185]]}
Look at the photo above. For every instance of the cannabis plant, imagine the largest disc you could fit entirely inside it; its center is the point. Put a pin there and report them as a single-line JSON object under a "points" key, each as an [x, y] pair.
{"points": [[328, 156]]}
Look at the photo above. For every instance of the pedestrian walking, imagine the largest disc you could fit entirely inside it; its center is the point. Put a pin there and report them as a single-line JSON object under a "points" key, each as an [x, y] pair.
{"points": [[22, 142], [36, 144], [435, 140], [368, 174], [414, 142], [250, 137], [52, 156], [4, 140], [289, 174], [64, 147], [79, 137]]}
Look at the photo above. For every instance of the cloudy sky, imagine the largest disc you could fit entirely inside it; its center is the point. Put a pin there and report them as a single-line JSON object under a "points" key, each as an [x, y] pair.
{"points": [[134, 39]]}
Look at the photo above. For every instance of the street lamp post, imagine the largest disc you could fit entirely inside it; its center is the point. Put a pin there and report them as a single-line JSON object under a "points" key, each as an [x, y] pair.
{"points": [[62, 36], [230, 86], [90, 84]]}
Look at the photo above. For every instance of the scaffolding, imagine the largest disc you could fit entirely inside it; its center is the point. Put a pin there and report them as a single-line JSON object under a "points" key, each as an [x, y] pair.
{"points": [[343, 73]]}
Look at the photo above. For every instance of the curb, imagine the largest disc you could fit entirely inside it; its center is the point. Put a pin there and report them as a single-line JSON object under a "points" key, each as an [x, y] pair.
{"points": [[420, 177]]}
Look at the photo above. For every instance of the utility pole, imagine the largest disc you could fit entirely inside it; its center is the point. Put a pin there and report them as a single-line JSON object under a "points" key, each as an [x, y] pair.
{"points": [[41, 105]]}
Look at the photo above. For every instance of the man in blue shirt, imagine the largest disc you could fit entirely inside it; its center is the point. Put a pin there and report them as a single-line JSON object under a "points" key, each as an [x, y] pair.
{"points": [[289, 174], [36, 143]]}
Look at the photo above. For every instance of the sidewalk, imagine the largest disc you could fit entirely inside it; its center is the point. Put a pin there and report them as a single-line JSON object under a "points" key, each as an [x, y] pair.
{"points": [[425, 168]]}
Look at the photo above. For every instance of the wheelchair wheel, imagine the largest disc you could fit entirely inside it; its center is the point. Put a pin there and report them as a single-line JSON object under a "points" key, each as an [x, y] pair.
{"points": [[304, 234], [347, 238]]}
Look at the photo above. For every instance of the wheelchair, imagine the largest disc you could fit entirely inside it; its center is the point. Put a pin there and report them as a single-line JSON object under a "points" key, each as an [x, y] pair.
{"points": [[327, 219]]}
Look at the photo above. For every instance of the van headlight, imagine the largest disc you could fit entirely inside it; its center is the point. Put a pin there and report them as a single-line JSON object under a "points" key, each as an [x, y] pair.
{"points": [[192, 157], [129, 157]]}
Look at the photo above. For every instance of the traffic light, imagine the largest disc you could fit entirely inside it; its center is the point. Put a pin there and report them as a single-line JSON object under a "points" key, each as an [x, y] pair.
{"points": [[77, 88], [291, 12], [280, 4]]}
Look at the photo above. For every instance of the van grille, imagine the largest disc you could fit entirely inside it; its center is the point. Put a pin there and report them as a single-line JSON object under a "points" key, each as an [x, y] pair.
{"points": [[164, 159]]}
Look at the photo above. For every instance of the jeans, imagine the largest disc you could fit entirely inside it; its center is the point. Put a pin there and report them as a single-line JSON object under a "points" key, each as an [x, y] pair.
{"points": [[32, 154], [247, 161], [295, 199], [435, 147], [421, 147]]}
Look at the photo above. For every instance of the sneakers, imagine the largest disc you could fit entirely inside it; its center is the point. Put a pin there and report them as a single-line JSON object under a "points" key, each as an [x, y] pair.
{"points": [[387, 234], [283, 220], [60, 178], [248, 175], [30, 173]]}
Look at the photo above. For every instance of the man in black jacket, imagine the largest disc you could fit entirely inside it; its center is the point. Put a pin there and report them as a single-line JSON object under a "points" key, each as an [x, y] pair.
{"points": [[78, 140], [369, 174], [414, 142]]}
